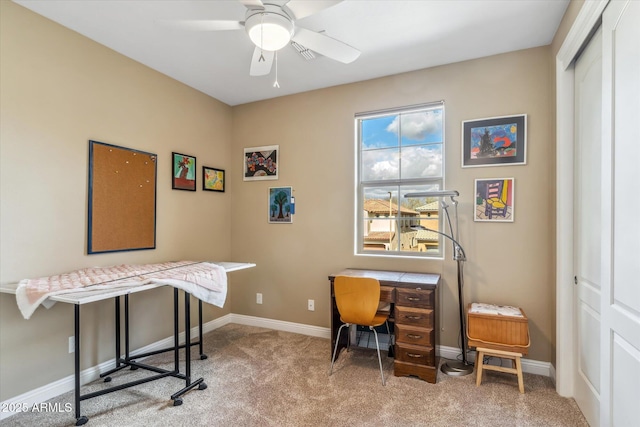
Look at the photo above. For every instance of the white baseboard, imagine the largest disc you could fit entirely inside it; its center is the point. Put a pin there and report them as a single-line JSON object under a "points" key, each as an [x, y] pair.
{"points": [[280, 325], [56, 388], [552, 372], [528, 365]]}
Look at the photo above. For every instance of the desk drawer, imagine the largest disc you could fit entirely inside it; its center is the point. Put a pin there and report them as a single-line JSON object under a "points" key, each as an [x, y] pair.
{"points": [[412, 297], [415, 354], [414, 316], [426, 373], [414, 335], [386, 293]]}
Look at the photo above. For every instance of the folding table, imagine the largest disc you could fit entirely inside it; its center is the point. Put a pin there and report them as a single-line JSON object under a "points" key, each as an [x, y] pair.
{"points": [[88, 295]]}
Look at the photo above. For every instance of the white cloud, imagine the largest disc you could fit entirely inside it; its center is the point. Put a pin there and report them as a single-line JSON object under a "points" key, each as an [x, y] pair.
{"points": [[417, 126], [385, 169], [380, 164], [421, 162], [416, 161]]}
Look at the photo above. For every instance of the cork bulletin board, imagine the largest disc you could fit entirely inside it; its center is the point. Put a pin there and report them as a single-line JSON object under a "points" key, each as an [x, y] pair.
{"points": [[122, 199]]}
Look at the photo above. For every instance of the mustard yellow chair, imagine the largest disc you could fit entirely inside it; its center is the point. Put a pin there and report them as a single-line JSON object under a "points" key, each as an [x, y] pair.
{"points": [[358, 300], [496, 200]]}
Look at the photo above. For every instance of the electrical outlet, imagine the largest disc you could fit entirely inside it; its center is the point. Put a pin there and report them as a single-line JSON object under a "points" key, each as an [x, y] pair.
{"points": [[258, 298], [72, 344], [311, 305]]}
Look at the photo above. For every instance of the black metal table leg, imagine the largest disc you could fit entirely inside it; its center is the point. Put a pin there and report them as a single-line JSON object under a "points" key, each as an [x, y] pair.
{"points": [[176, 331], [80, 420], [119, 365], [118, 354], [187, 336], [200, 338], [187, 348], [127, 355]]}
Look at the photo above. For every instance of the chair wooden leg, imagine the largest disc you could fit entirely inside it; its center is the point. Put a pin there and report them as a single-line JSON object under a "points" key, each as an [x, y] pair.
{"points": [[520, 380], [479, 359], [516, 364]]}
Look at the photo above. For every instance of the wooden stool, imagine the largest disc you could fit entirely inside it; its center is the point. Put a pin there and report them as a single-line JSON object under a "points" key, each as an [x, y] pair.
{"points": [[515, 358]]}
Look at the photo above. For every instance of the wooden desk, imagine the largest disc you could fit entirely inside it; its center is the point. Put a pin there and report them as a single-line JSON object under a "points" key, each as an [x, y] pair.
{"points": [[413, 297]]}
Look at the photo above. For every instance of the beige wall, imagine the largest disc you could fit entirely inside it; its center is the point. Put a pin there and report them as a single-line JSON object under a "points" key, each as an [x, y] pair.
{"points": [[509, 263], [59, 90]]}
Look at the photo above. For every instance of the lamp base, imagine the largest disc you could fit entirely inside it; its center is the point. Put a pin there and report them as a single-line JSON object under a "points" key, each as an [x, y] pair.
{"points": [[456, 369]]}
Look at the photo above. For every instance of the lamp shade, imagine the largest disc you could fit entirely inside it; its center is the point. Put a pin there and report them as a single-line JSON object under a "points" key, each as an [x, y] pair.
{"points": [[269, 31]]}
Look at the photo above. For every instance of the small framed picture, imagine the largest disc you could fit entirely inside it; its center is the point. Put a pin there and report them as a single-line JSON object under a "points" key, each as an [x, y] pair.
{"points": [[212, 179], [495, 141], [261, 163], [494, 200], [184, 172], [281, 207]]}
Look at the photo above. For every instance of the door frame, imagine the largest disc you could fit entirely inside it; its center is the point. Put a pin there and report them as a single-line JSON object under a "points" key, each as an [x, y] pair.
{"points": [[587, 20]]}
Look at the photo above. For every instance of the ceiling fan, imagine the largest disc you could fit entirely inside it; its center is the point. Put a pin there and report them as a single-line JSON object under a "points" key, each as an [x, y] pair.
{"points": [[271, 25]]}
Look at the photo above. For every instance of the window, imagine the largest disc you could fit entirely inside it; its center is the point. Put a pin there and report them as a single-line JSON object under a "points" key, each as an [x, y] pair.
{"points": [[399, 152]]}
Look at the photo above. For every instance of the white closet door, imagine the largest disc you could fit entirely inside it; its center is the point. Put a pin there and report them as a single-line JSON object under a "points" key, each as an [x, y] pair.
{"points": [[620, 207], [587, 223]]}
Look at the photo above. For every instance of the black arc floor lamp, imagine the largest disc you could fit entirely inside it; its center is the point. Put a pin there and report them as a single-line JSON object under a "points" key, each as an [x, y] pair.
{"points": [[453, 368]]}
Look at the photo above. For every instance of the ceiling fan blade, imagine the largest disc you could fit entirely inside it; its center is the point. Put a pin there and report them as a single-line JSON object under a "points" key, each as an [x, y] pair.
{"points": [[301, 8], [325, 45], [261, 62], [252, 4], [202, 24]]}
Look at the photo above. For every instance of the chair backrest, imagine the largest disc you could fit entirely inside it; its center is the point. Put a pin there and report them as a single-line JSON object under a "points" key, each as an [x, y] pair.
{"points": [[494, 190], [357, 298]]}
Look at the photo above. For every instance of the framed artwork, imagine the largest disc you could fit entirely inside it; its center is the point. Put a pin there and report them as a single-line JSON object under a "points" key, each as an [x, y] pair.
{"points": [[184, 172], [280, 205], [261, 163], [496, 141], [212, 179], [494, 200]]}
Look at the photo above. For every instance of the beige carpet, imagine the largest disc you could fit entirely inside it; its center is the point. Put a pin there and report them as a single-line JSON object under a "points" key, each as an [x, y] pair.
{"points": [[261, 377]]}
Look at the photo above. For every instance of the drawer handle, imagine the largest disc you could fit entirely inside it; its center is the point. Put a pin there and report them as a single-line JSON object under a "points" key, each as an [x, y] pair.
{"points": [[413, 299], [413, 317], [415, 356], [414, 336]]}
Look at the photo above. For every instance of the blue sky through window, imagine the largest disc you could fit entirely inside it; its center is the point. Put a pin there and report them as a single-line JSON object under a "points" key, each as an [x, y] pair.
{"points": [[376, 135], [422, 127]]}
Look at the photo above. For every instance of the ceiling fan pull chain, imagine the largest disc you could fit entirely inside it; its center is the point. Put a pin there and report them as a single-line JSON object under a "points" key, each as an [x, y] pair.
{"points": [[276, 84], [261, 59], [261, 36]]}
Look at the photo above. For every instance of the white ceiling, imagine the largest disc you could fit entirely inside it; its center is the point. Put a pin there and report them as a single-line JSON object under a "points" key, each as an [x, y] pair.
{"points": [[394, 36]]}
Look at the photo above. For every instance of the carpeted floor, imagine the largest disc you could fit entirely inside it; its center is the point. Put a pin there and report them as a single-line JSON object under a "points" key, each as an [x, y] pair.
{"points": [[261, 377]]}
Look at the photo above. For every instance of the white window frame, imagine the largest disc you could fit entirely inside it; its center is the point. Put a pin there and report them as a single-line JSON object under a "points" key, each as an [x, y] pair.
{"points": [[361, 185]]}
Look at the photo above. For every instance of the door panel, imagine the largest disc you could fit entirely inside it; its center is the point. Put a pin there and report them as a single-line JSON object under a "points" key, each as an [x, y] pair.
{"points": [[625, 382], [620, 312], [587, 223], [626, 170], [589, 366]]}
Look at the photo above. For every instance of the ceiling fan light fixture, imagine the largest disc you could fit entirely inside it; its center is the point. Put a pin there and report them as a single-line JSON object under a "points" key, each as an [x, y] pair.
{"points": [[269, 31]]}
